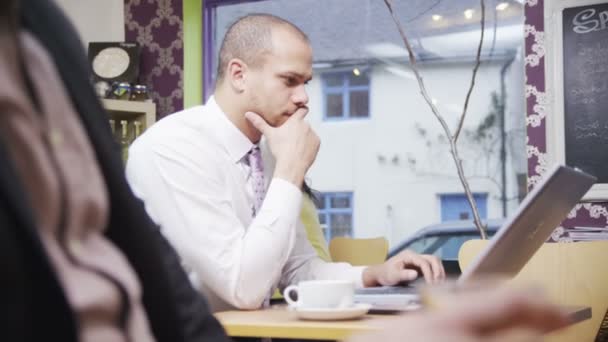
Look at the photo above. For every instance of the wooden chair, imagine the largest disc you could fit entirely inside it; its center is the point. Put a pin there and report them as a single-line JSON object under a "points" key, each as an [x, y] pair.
{"points": [[572, 274], [358, 252]]}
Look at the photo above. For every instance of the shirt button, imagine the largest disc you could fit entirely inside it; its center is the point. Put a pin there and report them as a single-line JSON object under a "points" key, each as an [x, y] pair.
{"points": [[55, 137], [75, 247]]}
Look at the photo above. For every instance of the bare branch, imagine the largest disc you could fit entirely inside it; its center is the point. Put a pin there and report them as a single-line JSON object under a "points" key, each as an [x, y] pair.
{"points": [[477, 63], [452, 139], [468, 192], [446, 128]]}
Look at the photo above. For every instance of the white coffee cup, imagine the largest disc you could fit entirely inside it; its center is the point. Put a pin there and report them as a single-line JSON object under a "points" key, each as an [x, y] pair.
{"points": [[321, 294]]}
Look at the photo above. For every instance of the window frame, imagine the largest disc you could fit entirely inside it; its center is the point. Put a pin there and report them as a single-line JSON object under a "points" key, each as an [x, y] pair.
{"points": [[326, 210], [477, 196], [209, 52], [345, 90]]}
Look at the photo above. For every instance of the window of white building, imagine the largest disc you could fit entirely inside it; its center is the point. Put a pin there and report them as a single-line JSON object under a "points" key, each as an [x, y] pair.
{"points": [[345, 94], [335, 210], [380, 139]]}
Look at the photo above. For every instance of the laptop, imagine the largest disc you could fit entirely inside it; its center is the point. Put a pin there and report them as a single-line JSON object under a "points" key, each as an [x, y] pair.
{"points": [[545, 207]]}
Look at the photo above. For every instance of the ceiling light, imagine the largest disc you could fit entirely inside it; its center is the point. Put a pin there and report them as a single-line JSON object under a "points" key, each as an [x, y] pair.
{"points": [[502, 6], [356, 72], [436, 17], [386, 50], [469, 13], [321, 65]]}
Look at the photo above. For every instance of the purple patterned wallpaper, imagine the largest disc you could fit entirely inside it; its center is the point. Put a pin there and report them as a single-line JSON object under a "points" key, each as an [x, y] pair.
{"points": [[584, 214], [157, 26]]}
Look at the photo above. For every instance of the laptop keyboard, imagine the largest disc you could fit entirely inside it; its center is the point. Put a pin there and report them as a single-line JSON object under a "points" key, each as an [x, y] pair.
{"points": [[384, 290]]}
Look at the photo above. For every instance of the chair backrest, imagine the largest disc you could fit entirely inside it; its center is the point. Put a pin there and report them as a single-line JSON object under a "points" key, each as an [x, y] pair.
{"points": [[572, 274], [358, 252]]}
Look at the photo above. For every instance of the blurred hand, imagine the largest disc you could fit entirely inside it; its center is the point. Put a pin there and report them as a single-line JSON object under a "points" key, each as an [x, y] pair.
{"points": [[404, 267], [293, 144], [497, 315]]}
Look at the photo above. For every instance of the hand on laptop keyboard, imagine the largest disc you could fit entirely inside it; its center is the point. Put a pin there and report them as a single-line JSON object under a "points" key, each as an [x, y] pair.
{"points": [[405, 266]]}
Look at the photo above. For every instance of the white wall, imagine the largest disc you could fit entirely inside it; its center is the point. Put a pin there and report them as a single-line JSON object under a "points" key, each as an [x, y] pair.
{"points": [[96, 20], [396, 194]]}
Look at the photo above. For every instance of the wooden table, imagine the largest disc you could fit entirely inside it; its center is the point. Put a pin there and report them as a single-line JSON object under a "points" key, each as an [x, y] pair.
{"points": [[279, 322]]}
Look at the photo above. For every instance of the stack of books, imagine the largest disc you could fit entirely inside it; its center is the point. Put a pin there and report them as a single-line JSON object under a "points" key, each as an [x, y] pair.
{"points": [[588, 233]]}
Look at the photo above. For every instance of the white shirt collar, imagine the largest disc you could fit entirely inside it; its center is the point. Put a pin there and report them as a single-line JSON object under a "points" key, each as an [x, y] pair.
{"points": [[235, 142]]}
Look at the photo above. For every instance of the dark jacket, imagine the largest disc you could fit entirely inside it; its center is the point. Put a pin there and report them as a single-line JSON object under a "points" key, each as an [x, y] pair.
{"points": [[33, 306]]}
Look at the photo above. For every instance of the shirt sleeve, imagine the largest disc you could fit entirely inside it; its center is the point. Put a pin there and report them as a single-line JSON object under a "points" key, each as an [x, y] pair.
{"points": [[304, 264], [192, 204]]}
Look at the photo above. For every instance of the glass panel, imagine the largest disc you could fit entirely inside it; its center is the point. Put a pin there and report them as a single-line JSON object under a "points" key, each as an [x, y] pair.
{"points": [[398, 161], [456, 207], [358, 80], [334, 105], [341, 232], [420, 245], [449, 250], [340, 202], [340, 220], [359, 104], [341, 224], [319, 200], [324, 229], [333, 79], [322, 218]]}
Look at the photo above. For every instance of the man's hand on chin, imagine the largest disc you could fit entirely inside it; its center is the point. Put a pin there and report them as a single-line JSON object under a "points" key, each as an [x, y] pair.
{"points": [[404, 267]]}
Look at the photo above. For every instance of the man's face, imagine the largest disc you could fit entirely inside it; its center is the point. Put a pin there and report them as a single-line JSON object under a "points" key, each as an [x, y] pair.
{"points": [[276, 86]]}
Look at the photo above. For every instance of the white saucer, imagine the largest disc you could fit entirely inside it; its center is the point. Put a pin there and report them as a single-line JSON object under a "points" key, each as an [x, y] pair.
{"points": [[323, 314]]}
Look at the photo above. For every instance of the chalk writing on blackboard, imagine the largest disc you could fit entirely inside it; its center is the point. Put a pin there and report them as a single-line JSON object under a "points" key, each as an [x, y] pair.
{"points": [[589, 20], [585, 52]]}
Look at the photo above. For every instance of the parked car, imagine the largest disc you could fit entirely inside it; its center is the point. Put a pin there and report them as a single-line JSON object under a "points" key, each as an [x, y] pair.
{"points": [[444, 240]]}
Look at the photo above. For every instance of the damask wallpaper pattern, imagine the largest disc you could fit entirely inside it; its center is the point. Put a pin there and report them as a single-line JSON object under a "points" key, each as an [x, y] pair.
{"points": [[157, 25], [584, 214]]}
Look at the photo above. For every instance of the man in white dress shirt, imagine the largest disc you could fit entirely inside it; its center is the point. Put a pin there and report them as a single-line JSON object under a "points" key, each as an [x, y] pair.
{"points": [[233, 218]]}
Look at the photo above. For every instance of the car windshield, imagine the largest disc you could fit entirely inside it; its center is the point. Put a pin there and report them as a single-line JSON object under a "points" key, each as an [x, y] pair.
{"points": [[445, 247]]}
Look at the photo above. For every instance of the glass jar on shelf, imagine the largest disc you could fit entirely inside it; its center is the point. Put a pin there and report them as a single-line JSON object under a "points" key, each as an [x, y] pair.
{"points": [[112, 126], [124, 140], [140, 93], [121, 91], [137, 124]]}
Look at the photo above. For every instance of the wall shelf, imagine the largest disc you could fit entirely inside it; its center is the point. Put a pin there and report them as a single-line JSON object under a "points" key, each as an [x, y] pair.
{"points": [[131, 110]]}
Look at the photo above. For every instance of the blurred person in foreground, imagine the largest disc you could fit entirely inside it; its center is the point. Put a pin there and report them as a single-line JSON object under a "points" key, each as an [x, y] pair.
{"points": [[490, 314], [80, 259]]}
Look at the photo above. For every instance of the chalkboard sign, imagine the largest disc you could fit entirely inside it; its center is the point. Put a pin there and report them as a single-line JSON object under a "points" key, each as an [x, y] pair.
{"points": [[585, 61]]}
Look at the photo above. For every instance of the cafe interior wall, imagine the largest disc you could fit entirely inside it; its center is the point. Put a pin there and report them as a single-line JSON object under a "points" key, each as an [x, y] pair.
{"points": [[584, 214], [95, 21], [157, 25]]}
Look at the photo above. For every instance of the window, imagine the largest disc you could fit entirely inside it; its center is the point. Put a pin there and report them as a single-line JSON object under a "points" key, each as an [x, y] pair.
{"points": [[379, 137], [336, 214], [346, 94], [456, 206]]}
